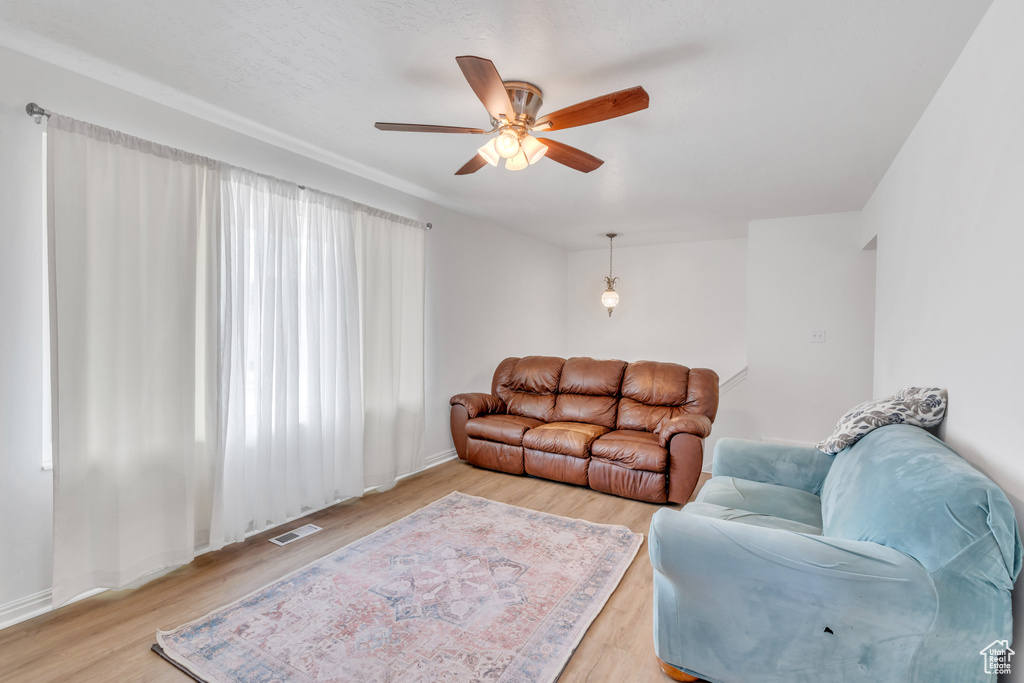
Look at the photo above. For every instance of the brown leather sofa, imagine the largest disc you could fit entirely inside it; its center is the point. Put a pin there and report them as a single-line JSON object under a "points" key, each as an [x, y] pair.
{"points": [[631, 429]]}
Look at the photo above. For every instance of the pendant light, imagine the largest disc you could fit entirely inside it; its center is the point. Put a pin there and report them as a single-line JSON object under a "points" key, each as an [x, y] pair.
{"points": [[610, 298]]}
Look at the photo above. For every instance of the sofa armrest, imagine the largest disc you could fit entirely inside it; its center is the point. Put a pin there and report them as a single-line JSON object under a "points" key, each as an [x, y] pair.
{"points": [[689, 423], [797, 467], [477, 404], [722, 587]]}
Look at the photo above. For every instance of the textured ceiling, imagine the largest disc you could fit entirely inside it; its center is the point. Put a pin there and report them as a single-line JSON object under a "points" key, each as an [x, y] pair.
{"points": [[758, 109]]}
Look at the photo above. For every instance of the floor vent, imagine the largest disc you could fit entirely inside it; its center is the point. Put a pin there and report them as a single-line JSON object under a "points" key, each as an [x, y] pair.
{"points": [[295, 534]]}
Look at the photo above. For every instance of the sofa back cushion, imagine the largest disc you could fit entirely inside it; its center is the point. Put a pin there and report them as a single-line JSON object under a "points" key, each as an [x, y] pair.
{"points": [[528, 385], [902, 487], [651, 391], [588, 391]]}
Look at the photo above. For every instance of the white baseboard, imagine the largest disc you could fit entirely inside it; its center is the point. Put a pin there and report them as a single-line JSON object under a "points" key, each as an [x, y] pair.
{"points": [[25, 608], [30, 606], [732, 381], [438, 458]]}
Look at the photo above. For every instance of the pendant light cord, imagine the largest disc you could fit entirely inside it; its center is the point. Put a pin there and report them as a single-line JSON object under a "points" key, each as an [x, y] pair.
{"points": [[610, 238]]}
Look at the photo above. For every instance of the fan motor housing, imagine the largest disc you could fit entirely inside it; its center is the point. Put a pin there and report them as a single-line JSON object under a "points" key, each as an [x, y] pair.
{"points": [[526, 101]]}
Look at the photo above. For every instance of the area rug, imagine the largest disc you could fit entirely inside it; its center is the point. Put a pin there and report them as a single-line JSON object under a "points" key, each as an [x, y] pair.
{"points": [[464, 589]]}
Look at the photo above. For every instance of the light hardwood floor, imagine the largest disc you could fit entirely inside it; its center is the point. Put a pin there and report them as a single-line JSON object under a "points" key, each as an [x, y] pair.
{"points": [[107, 637]]}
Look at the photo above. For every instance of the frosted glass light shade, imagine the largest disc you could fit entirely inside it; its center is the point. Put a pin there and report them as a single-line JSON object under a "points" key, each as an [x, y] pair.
{"points": [[610, 298], [534, 149], [489, 154], [518, 162], [507, 144]]}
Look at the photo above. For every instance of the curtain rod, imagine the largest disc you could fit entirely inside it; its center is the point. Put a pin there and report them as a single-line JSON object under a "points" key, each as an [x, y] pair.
{"points": [[37, 112]]}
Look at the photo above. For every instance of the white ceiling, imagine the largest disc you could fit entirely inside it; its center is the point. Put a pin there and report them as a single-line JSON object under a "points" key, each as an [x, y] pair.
{"points": [[758, 109]]}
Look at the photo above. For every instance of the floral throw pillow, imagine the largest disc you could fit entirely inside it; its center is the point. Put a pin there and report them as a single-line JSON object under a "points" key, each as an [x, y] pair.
{"points": [[916, 406]]}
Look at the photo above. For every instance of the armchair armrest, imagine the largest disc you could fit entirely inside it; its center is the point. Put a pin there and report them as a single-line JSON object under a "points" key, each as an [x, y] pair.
{"points": [[722, 587], [477, 404], [689, 423], [797, 467]]}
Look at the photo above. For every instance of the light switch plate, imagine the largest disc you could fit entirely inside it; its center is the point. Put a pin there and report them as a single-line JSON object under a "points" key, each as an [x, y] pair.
{"points": [[818, 336]]}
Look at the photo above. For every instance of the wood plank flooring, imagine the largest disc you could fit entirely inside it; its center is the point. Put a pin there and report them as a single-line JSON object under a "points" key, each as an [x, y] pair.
{"points": [[107, 637]]}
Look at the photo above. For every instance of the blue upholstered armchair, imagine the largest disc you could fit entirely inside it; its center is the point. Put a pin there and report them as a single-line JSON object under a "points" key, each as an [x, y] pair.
{"points": [[892, 561]]}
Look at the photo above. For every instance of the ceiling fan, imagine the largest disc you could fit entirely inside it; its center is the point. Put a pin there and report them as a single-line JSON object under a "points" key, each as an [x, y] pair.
{"points": [[513, 106]]}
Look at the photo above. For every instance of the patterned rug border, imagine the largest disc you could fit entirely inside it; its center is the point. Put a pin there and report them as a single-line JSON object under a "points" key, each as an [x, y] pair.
{"points": [[596, 609]]}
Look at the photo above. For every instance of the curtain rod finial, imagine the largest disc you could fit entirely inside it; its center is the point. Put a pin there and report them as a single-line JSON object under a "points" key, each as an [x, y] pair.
{"points": [[36, 112]]}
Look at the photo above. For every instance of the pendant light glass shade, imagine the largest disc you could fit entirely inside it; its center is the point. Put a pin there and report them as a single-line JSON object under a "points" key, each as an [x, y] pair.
{"points": [[534, 149], [489, 154], [610, 299], [518, 162]]}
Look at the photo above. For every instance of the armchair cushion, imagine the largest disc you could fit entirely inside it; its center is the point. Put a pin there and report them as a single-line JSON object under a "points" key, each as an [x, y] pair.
{"points": [[687, 423], [477, 404], [764, 499]]}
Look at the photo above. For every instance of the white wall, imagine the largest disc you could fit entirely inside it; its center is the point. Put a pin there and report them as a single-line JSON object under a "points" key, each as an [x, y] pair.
{"points": [[25, 489], [949, 216], [682, 303], [482, 283], [806, 273], [739, 303]]}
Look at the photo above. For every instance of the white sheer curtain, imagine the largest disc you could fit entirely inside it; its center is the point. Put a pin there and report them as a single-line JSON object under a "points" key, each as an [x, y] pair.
{"points": [[228, 351], [131, 227], [391, 254], [292, 433]]}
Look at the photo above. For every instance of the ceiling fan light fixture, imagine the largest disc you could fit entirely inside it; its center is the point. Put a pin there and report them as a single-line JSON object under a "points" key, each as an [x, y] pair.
{"points": [[534, 149], [513, 108], [507, 144], [518, 162], [489, 154]]}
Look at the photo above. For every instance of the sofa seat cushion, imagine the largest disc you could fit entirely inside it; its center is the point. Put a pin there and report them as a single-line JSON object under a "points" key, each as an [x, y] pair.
{"points": [[746, 517], [757, 497], [631, 449], [565, 438], [507, 429]]}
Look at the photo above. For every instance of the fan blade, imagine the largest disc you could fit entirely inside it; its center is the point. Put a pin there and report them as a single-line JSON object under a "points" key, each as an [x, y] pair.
{"points": [[598, 109], [472, 166], [570, 156], [487, 85], [421, 128]]}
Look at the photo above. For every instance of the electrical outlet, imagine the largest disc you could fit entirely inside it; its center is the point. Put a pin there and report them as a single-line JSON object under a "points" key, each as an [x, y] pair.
{"points": [[818, 336]]}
